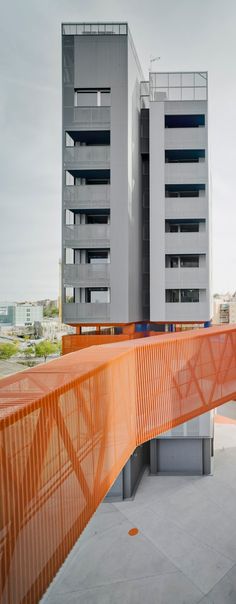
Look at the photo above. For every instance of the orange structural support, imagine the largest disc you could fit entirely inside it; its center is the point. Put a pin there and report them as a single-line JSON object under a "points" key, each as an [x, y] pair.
{"points": [[69, 426]]}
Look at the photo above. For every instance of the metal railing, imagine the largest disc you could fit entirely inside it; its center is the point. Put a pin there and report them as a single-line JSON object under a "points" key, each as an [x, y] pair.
{"points": [[69, 426]]}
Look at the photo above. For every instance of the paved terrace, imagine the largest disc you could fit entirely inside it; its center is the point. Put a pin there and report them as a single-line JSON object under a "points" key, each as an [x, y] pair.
{"points": [[184, 552]]}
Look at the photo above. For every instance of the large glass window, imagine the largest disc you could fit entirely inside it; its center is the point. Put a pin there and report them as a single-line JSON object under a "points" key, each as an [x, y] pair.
{"points": [[189, 261], [189, 295], [94, 97], [98, 295], [172, 295], [98, 256]]}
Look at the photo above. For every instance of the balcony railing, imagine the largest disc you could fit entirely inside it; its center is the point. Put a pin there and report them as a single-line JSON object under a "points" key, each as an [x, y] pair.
{"points": [[84, 275], [185, 138], [87, 235], [87, 196], [88, 156], [186, 243], [188, 173], [186, 278], [186, 207], [86, 312], [88, 117]]}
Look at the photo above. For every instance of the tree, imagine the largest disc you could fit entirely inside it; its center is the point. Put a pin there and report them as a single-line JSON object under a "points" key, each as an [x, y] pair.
{"points": [[29, 352], [8, 349], [50, 310], [45, 348]]}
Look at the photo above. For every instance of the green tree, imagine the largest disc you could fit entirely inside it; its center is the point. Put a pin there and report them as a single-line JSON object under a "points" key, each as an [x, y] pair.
{"points": [[8, 349], [29, 352], [50, 311], [45, 348]]}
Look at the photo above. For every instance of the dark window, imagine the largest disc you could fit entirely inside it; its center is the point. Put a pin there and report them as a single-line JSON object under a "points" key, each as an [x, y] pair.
{"points": [[97, 218], [185, 121], [189, 228], [184, 155], [172, 295], [174, 261], [184, 190], [97, 256], [189, 261], [173, 228], [189, 295]]}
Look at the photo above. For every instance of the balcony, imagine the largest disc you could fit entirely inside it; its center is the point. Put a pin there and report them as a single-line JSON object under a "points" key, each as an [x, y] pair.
{"points": [[86, 118], [87, 197], [176, 311], [185, 138], [87, 157], [86, 275], [78, 312], [186, 278], [87, 236], [186, 243], [186, 207], [178, 173]]}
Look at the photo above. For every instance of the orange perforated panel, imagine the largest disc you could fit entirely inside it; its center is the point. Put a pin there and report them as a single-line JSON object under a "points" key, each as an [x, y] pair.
{"points": [[69, 426]]}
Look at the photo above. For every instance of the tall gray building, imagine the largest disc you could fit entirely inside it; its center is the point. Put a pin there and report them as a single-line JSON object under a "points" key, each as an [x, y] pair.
{"points": [[135, 184], [102, 252], [135, 202]]}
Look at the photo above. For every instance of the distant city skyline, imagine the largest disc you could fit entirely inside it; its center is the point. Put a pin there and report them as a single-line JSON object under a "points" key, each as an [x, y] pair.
{"points": [[185, 35]]}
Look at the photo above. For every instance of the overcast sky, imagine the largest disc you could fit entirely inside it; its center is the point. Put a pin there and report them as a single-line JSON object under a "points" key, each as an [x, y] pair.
{"points": [[187, 34]]}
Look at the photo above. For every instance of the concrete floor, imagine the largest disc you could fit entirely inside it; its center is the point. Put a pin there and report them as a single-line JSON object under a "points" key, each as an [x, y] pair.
{"points": [[184, 552]]}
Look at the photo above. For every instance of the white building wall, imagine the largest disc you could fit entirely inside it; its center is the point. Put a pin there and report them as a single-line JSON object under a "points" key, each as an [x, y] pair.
{"points": [[27, 314]]}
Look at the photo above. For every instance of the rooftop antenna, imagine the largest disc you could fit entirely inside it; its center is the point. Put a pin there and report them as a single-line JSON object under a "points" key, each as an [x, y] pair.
{"points": [[152, 60]]}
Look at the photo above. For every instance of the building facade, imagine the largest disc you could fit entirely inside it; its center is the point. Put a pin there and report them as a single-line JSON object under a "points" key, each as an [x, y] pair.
{"points": [[135, 208], [20, 314], [135, 185]]}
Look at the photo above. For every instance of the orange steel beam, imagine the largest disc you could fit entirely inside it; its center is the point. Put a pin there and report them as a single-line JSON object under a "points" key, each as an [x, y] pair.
{"points": [[68, 427]]}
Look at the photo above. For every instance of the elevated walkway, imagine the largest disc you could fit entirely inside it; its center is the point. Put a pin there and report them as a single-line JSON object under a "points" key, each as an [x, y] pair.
{"points": [[69, 426]]}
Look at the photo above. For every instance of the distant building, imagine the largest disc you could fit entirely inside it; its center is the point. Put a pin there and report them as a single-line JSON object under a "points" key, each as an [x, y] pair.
{"points": [[224, 309], [20, 314]]}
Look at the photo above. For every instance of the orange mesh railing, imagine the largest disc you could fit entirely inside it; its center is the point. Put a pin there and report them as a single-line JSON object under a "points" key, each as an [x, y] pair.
{"points": [[69, 426]]}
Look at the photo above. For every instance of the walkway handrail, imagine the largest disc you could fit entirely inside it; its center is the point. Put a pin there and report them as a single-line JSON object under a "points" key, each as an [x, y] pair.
{"points": [[69, 426]]}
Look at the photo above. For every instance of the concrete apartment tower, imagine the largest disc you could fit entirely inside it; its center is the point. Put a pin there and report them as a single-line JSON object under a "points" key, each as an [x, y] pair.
{"points": [[135, 218], [102, 281]]}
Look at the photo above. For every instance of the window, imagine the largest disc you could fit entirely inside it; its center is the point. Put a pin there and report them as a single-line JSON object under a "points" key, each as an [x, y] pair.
{"points": [[69, 294], [97, 218], [185, 226], [92, 97], [189, 228], [185, 121], [98, 295], [182, 295], [184, 155], [172, 295], [98, 256], [174, 261], [189, 295], [194, 190], [189, 261]]}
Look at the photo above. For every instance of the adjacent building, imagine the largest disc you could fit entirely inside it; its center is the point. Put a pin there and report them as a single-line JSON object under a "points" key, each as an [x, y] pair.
{"points": [[20, 314]]}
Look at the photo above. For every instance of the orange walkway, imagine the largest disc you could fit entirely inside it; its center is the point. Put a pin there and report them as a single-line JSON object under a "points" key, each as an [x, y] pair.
{"points": [[69, 426]]}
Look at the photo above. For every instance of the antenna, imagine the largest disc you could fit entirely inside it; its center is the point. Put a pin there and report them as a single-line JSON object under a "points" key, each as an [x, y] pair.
{"points": [[152, 60]]}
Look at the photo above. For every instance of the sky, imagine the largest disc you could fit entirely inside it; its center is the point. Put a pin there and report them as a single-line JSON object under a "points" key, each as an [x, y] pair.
{"points": [[187, 34]]}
